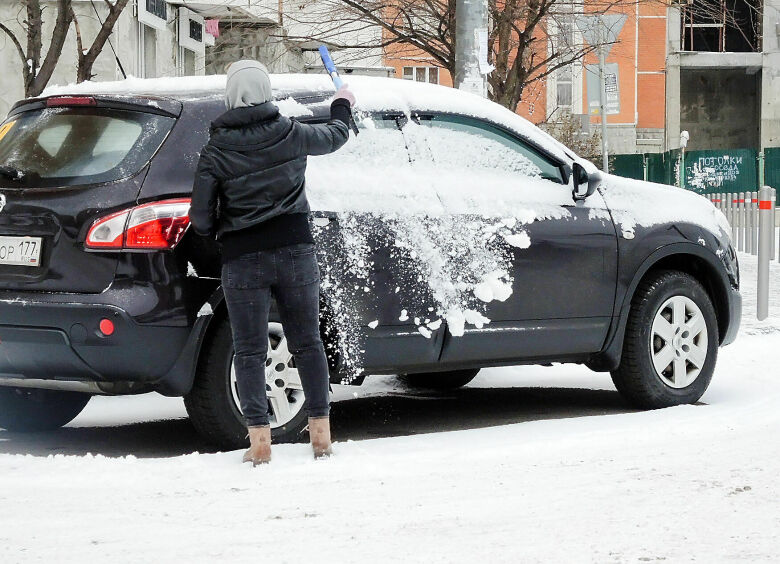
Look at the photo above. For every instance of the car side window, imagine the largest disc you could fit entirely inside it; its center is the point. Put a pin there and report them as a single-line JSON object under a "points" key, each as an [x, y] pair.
{"points": [[456, 141], [379, 141], [374, 161]]}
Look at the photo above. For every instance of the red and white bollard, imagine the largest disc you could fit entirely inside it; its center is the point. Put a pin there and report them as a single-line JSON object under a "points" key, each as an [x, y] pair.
{"points": [[775, 242], [765, 237], [741, 222], [749, 222], [754, 223]]}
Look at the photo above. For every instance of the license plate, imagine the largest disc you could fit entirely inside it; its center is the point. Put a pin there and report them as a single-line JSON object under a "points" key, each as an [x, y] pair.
{"points": [[24, 251]]}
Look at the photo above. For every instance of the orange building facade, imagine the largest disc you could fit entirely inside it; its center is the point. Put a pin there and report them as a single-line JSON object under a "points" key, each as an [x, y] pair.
{"points": [[640, 55]]}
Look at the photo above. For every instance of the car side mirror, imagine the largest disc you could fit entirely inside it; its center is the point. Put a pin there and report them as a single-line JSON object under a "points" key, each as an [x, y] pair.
{"points": [[584, 184]]}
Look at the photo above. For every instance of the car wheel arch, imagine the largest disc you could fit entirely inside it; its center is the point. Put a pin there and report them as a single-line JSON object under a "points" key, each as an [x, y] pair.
{"points": [[690, 258], [180, 378]]}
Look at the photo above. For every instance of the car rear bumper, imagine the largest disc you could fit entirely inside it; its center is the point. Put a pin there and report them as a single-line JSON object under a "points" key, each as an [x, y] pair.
{"points": [[735, 317], [54, 338]]}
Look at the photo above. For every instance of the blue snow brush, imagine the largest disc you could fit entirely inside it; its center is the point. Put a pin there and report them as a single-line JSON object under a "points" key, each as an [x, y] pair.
{"points": [[330, 66]]}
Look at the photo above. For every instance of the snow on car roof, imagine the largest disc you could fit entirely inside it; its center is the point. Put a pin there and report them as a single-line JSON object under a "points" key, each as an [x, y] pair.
{"points": [[372, 94]]}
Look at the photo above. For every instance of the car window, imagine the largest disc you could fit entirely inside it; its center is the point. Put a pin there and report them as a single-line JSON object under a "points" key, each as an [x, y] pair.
{"points": [[52, 138], [72, 146], [456, 141], [379, 144], [379, 141]]}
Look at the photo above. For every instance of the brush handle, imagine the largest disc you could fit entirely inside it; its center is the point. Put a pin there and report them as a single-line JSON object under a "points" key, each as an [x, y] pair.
{"points": [[330, 66]]}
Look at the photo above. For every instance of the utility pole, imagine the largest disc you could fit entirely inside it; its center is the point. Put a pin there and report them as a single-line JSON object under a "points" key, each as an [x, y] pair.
{"points": [[471, 18], [601, 31]]}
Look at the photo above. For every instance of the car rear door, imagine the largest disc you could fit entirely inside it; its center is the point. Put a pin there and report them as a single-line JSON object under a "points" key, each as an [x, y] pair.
{"points": [[542, 268], [64, 162]]}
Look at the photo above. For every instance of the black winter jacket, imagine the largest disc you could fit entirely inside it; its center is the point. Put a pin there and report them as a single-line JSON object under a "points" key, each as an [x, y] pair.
{"points": [[253, 167]]}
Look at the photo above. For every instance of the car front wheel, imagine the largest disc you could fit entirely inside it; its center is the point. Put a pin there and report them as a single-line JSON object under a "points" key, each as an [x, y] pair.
{"points": [[214, 405], [30, 410], [671, 343]]}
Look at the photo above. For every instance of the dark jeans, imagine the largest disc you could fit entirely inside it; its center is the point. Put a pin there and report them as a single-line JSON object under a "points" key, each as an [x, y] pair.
{"points": [[291, 275]]}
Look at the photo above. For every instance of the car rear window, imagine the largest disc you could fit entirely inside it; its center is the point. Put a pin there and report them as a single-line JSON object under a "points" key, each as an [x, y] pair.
{"points": [[73, 146]]}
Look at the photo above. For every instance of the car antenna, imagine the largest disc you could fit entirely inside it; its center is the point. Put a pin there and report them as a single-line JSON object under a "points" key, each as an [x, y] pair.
{"points": [[116, 57]]}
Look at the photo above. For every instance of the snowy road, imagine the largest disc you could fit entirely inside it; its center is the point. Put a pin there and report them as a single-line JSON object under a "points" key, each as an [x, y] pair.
{"points": [[562, 474]]}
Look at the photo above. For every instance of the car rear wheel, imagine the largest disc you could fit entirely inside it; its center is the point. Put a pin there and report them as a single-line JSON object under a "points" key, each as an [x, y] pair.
{"points": [[214, 405], [671, 343], [30, 410], [439, 380]]}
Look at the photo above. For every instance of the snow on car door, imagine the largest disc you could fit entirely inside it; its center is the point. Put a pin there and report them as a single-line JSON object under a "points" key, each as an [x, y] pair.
{"points": [[530, 273], [365, 209]]}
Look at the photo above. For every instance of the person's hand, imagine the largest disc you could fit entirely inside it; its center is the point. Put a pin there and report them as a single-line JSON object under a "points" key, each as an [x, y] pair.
{"points": [[344, 93]]}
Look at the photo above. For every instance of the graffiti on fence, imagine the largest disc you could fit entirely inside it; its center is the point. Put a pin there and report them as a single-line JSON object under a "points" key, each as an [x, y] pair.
{"points": [[712, 172]]}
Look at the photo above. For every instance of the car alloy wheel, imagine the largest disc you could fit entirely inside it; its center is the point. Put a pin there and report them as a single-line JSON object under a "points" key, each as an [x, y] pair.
{"points": [[678, 342], [282, 381]]}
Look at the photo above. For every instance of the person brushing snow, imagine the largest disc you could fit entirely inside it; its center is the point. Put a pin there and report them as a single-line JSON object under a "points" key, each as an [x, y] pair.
{"points": [[249, 192]]}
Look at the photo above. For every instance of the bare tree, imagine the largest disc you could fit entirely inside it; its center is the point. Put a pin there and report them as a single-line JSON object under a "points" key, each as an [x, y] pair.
{"points": [[569, 130], [529, 39], [87, 57], [36, 73]]}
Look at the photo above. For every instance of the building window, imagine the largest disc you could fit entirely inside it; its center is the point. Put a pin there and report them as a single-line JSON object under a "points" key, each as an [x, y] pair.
{"points": [[721, 26], [158, 8], [422, 74], [196, 31], [148, 53], [564, 87], [563, 43]]}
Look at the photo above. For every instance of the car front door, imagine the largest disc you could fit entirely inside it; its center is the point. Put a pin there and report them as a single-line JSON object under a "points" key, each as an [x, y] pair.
{"points": [[367, 215], [535, 263]]}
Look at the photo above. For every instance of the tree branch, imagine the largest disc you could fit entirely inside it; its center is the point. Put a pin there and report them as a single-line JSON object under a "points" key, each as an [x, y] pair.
{"points": [[58, 35], [20, 50]]}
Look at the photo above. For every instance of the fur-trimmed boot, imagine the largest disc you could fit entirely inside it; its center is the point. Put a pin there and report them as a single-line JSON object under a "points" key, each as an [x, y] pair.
{"points": [[259, 445], [319, 432]]}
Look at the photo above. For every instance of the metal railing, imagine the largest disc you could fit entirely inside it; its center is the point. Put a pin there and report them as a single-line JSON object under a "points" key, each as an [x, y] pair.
{"points": [[752, 217]]}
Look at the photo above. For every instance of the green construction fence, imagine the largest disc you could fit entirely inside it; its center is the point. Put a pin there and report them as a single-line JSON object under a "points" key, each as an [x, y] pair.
{"points": [[705, 172]]}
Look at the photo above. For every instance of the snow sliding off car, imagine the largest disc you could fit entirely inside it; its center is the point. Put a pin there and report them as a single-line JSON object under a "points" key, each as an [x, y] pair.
{"points": [[452, 235]]}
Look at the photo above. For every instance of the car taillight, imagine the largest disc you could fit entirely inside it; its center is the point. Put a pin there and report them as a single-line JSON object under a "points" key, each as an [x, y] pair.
{"points": [[158, 225], [108, 232]]}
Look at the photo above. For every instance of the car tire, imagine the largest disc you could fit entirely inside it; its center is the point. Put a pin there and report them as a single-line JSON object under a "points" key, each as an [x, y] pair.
{"points": [[212, 403], [29, 410], [439, 380], [671, 318]]}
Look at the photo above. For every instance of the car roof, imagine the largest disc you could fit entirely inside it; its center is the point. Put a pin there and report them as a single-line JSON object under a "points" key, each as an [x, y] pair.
{"points": [[298, 95]]}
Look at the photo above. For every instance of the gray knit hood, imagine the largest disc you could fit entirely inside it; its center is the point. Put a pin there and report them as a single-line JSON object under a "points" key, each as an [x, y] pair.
{"points": [[248, 84]]}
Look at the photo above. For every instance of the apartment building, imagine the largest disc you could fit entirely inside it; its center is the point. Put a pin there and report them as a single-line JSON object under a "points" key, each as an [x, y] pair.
{"points": [[713, 71], [723, 75], [715, 74]]}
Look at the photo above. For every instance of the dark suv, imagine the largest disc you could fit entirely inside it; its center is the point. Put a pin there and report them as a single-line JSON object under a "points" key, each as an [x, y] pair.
{"points": [[452, 235]]}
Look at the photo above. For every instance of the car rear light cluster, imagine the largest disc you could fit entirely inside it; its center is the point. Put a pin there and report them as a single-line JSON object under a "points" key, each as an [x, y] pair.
{"points": [[154, 226]]}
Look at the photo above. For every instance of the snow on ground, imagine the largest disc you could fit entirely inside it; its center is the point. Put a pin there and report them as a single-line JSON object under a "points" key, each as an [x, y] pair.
{"points": [[686, 484]]}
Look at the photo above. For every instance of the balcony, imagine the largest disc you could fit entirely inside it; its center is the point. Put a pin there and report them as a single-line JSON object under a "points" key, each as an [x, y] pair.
{"points": [[257, 11]]}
